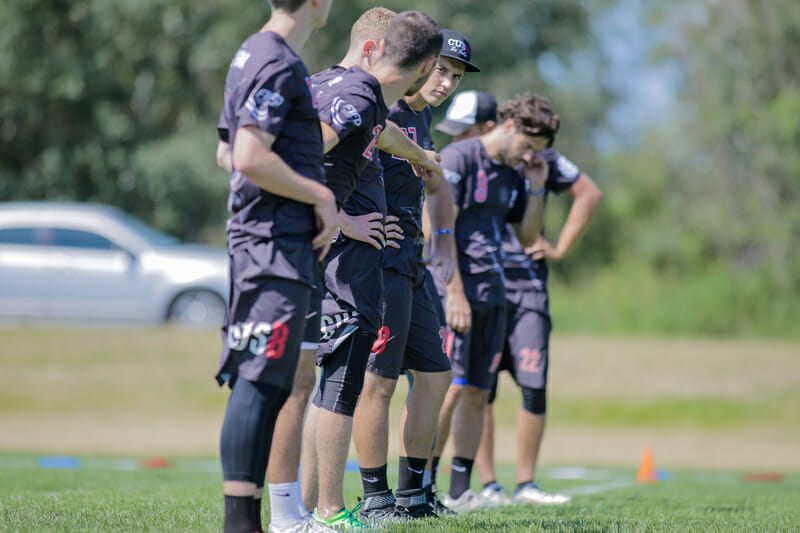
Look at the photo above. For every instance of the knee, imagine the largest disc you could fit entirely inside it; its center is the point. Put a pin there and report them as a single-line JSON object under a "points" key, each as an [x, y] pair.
{"points": [[377, 388], [435, 384], [534, 400], [474, 398], [304, 381]]}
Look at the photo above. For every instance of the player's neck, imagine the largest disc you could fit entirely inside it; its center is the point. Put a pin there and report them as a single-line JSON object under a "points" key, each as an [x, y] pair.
{"points": [[294, 29], [494, 143], [394, 83], [416, 101]]}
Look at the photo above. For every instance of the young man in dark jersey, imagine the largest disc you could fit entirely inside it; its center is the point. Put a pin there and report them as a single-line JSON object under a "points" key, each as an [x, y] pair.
{"points": [[353, 117], [526, 352], [271, 141], [412, 334], [489, 191]]}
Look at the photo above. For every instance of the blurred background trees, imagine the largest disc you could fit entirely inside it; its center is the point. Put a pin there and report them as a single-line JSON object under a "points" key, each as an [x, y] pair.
{"points": [[687, 114]]}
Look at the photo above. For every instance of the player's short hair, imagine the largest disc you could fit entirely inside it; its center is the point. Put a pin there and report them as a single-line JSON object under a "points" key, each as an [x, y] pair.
{"points": [[290, 6], [532, 114], [411, 38], [371, 25]]}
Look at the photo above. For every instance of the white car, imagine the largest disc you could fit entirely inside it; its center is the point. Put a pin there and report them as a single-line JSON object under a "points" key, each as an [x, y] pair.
{"points": [[90, 263]]}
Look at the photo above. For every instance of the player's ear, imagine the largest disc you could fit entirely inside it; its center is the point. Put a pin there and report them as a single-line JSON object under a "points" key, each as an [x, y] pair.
{"points": [[428, 65]]}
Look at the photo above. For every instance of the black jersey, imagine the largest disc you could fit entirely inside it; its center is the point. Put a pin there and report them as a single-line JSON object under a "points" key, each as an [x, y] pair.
{"points": [[405, 192], [351, 102], [268, 87], [522, 272], [488, 194]]}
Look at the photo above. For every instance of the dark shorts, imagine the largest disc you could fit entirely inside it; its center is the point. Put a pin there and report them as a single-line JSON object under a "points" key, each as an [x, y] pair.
{"points": [[526, 353], [343, 369], [264, 325], [413, 334], [313, 320], [476, 355]]}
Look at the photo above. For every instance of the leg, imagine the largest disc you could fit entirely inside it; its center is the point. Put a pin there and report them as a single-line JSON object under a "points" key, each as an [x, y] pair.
{"points": [[310, 482], [418, 430], [371, 421], [484, 458], [530, 429]]}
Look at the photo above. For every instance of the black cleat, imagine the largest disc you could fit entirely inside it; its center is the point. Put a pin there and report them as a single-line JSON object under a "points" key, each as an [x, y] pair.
{"points": [[413, 504], [435, 503], [376, 508]]}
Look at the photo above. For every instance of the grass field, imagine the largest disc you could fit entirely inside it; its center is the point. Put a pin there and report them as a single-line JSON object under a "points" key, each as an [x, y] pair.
{"points": [[711, 410], [186, 497]]}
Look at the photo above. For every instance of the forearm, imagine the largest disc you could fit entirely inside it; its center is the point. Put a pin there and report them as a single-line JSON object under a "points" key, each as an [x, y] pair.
{"points": [[578, 219], [394, 141], [271, 173], [529, 228], [224, 156]]}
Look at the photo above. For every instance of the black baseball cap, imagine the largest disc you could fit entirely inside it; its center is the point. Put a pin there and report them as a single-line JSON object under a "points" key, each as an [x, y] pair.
{"points": [[466, 109], [455, 45]]}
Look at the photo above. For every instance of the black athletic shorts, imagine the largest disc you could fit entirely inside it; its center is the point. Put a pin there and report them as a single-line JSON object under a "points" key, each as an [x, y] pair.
{"points": [[476, 355], [414, 333], [264, 325]]}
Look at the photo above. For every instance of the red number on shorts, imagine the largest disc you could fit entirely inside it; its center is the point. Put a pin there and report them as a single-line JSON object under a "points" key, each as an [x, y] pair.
{"points": [[530, 360], [277, 341], [380, 342], [482, 187]]}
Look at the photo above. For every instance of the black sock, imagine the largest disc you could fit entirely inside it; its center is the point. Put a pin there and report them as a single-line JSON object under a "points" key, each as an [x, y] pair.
{"points": [[520, 485], [460, 473], [410, 472], [492, 482], [434, 469], [239, 514], [373, 480]]}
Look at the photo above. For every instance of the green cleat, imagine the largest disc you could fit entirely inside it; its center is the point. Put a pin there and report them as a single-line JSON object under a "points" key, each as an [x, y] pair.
{"points": [[344, 520]]}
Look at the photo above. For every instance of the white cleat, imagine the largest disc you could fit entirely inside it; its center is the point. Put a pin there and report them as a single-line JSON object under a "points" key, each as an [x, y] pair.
{"points": [[467, 502], [305, 524], [530, 493], [495, 495]]}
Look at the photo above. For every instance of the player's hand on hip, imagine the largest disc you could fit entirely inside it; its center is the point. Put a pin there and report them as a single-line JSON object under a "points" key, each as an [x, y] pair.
{"points": [[365, 228], [542, 249], [394, 233]]}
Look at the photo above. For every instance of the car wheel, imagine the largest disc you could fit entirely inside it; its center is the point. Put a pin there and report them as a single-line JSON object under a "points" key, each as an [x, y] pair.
{"points": [[197, 308]]}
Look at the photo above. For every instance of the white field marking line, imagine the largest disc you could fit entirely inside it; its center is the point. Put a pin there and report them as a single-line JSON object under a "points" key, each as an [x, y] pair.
{"points": [[600, 487], [579, 473]]}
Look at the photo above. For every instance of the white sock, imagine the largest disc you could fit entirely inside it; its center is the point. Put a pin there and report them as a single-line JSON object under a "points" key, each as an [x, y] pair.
{"points": [[283, 509], [298, 493]]}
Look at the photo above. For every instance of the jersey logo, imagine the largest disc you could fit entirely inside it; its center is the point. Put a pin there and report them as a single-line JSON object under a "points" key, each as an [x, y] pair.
{"points": [[343, 113], [330, 323], [240, 59], [481, 187], [259, 338], [411, 133], [451, 175], [376, 132], [566, 167], [258, 103]]}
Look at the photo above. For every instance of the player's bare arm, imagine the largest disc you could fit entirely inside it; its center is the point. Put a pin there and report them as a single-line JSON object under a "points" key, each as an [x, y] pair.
{"points": [[457, 309], [394, 141], [442, 219], [224, 156], [587, 197], [252, 155], [530, 227]]}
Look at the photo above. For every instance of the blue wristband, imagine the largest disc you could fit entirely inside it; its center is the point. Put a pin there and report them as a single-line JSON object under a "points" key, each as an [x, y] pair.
{"points": [[539, 192], [443, 230]]}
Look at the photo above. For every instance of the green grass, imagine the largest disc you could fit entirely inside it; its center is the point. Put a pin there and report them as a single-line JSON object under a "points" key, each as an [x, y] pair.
{"points": [[187, 497]]}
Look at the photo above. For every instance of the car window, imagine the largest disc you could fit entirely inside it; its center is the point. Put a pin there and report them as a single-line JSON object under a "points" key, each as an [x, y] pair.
{"points": [[71, 238], [18, 236]]}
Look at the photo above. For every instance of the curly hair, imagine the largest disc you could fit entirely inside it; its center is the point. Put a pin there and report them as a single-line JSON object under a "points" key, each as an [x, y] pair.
{"points": [[532, 114]]}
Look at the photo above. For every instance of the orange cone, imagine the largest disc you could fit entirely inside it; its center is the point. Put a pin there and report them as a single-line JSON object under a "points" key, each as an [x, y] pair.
{"points": [[647, 469]]}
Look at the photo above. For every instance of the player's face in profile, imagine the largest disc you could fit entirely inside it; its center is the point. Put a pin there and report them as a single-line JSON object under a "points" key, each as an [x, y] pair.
{"points": [[444, 79], [522, 147]]}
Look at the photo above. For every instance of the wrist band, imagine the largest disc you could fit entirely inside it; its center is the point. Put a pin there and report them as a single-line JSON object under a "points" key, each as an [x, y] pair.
{"points": [[538, 193], [443, 230]]}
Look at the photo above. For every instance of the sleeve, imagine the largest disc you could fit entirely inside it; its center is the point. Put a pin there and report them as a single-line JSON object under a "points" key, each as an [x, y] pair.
{"points": [[519, 194], [347, 113], [455, 173], [269, 99], [561, 173], [223, 131]]}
